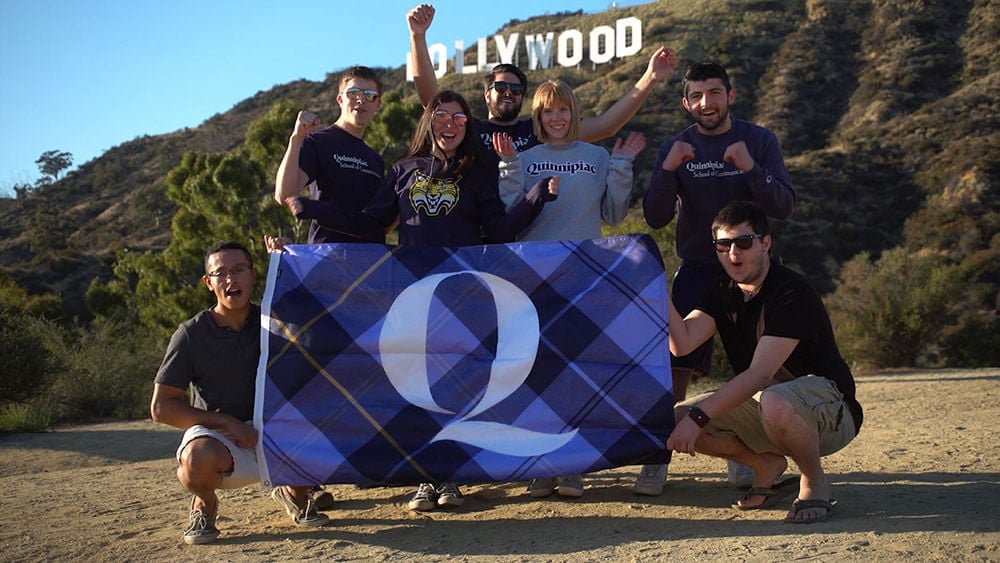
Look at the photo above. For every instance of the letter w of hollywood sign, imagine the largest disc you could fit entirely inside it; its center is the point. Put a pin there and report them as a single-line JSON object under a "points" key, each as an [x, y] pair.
{"points": [[606, 43]]}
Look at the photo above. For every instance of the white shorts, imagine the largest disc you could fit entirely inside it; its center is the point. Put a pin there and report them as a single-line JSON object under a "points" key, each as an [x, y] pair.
{"points": [[244, 459]]}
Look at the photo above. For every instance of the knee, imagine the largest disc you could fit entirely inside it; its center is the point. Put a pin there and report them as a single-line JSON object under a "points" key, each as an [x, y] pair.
{"points": [[203, 458], [776, 411]]}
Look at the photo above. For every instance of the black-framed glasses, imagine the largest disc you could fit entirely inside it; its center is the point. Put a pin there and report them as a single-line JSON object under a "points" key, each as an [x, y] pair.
{"points": [[743, 242], [513, 87], [442, 117], [353, 93], [236, 270]]}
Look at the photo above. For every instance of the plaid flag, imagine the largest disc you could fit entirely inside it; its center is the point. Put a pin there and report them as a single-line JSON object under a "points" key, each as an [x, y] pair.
{"points": [[475, 364]]}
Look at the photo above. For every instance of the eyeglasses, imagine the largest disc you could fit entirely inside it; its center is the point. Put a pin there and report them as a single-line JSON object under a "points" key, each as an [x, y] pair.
{"points": [[442, 116], [514, 88], [237, 270], [353, 93], [743, 242]]}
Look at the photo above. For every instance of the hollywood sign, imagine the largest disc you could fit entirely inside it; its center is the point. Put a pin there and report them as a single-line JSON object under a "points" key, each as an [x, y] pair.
{"points": [[605, 42]]}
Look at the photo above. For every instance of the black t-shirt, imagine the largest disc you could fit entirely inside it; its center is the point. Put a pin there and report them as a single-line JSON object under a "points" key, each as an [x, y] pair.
{"points": [[218, 363], [343, 171], [791, 309]]}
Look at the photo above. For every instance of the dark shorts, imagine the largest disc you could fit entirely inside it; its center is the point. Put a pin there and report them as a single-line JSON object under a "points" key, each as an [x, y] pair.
{"points": [[690, 283]]}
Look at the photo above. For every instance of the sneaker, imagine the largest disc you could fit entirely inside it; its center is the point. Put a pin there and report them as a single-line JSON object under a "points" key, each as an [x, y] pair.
{"points": [[321, 498], [425, 498], [449, 495], [650, 480], [201, 526], [302, 516], [570, 486], [541, 488], [740, 476]]}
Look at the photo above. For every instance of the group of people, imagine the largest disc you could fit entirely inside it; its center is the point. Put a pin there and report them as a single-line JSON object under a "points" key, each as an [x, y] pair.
{"points": [[468, 181]]}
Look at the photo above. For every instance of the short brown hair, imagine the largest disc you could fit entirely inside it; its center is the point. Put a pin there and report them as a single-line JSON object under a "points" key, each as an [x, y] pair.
{"points": [[363, 73], [549, 93]]}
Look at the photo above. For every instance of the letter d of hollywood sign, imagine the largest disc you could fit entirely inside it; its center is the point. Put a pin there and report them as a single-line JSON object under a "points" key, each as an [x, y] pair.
{"points": [[605, 43]]}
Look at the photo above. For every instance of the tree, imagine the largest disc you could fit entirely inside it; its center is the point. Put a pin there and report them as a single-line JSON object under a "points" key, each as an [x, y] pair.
{"points": [[51, 163]]}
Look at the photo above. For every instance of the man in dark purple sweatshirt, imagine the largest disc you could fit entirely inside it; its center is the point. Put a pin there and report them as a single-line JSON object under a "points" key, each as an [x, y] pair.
{"points": [[717, 160]]}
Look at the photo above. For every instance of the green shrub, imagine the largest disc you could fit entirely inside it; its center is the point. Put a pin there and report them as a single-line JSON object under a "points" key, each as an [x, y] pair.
{"points": [[27, 364], [25, 417], [889, 312], [107, 371]]}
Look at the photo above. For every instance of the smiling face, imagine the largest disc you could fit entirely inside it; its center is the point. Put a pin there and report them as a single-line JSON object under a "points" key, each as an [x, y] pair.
{"points": [[708, 103], [504, 105], [230, 276], [356, 110], [447, 131], [555, 120], [745, 267]]}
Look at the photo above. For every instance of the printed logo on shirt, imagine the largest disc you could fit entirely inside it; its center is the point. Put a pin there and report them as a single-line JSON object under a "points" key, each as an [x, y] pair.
{"points": [[578, 167], [434, 195], [352, 162], [710, 169]]}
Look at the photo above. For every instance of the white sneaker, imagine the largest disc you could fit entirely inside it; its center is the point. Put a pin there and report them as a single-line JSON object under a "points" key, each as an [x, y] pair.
{"points": [[450, 495], [650, 480], [540, 488], [570, 486], [740, 476], [425, 498]]}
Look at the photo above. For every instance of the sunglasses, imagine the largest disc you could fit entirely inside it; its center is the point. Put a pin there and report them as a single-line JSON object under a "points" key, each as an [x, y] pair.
{"points": [[442, 116], [743, 242], [353, 93], [500, 86]]}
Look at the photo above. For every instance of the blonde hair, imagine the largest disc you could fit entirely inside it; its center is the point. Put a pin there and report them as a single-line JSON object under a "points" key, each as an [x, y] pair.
{"points": [[549, 94]]}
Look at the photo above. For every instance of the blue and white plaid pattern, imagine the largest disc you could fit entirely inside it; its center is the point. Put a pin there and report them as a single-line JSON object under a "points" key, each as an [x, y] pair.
{"points": [[476, 364]]}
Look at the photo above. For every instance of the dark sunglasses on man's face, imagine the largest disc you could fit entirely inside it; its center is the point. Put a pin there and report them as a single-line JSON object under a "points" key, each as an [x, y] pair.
{"points": [[743, 242], [514, 88]]}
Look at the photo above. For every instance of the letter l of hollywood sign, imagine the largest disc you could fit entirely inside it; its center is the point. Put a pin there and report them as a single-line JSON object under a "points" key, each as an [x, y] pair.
{"points": [[605, 42]]}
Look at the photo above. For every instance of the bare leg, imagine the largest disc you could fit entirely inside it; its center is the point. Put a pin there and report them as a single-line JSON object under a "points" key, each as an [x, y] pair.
{"points": [[202, 464], [792, 435]]}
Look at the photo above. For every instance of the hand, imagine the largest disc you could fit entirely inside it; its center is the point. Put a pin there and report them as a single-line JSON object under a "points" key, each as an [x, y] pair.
{"points": [[662, 63], [305, 123], [680, 152], [419, 19], [684, 436], [276, 244], [503, 144], [240, 433], [632, 146], [554, 185], [294, 205], [738, 155]]}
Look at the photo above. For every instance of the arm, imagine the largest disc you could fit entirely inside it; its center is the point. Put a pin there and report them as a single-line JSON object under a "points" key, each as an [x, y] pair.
{"points": [[503, 226], [659, 205], [169, 406], [767, 177], [291, 178], [511, 171], [614, 204], [592, 129], [419, 19]]}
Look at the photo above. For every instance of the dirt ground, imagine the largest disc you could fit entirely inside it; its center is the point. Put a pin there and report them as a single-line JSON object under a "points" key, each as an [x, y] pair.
{"points": [[921, 483]]}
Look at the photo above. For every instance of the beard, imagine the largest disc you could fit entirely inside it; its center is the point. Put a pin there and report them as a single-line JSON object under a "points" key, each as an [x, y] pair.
{"points": [[712, 122], [504, 111]]}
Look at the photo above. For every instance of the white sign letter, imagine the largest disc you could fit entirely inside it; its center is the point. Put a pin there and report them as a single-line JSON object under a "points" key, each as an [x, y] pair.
{"points": [[539, 49], [507, 52], [570, 40], [597, 55], [622, 27]]}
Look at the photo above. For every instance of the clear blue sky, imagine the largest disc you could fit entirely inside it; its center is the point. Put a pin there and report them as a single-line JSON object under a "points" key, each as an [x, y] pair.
{"points": [[86, 75]]}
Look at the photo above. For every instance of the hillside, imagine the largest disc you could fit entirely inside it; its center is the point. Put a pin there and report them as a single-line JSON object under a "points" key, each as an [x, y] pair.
{"points": [[887, 111]]}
